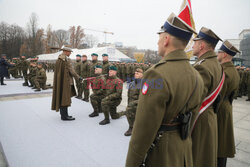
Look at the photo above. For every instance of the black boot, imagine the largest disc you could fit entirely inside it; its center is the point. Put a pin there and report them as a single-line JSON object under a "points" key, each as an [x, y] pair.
{"points": [[2, 81], [248, 99], [106, 119], [38, 90], [128, 132], [94, 114], [64, 114], [25, 84]]}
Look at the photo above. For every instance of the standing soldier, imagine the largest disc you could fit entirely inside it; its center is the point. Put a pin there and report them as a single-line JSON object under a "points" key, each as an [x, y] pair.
{"points": [[98, 91], [205, 136], [105, 64], [78, 71], [93, 64], [24, 64], [160, 135], [248, 84], [84, 74], [134, 88], [226, 145], [4, 69], [113, 96], [41, 78], [63, 85]]}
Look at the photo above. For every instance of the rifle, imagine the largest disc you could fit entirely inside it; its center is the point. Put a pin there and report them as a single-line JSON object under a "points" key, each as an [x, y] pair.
{"points": [[90, 78]]}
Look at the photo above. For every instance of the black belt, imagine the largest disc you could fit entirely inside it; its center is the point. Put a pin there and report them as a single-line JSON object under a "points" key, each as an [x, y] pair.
{"points": [[166, 128]]}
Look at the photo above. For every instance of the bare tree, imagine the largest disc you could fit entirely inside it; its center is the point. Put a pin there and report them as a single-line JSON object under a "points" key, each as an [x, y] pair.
{"points": [[76, 36], [61, 37], [90, 40]]}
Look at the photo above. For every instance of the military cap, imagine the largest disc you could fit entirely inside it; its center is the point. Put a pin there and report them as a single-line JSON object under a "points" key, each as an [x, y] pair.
{"points": [[65, 48], [228, 48], [98, 66], [78, 55], [113, 68], [208, 35], [139, 70], [103, 55], [84, 55], [94, 54], [178, 28]]}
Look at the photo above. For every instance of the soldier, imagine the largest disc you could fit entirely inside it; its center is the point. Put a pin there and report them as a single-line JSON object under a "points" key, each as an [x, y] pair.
{"points": [[226, 145], [164, 110], [32, 74], [63, 85], [248, 84], [41, 78], [84, 74], [98, 91], [4, 69], [93, 64], [24, 64], [105, 64], [113, 96], [134, 88], [205, 135], [78, 71]]}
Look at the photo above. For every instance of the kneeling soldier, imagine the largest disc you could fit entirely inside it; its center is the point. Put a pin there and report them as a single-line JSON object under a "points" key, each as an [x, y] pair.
{"points": [[98, 91], [41, 78], [113, 96]]}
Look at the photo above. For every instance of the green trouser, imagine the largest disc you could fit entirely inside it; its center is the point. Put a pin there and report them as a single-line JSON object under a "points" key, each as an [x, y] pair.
{"points": [[40, 83], [84, 87], [96, 101], [78, 87], [25, 75], [130, 114], [109, 107]]}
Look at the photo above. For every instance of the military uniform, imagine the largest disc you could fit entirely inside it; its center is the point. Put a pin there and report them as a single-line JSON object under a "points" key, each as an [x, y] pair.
{"points": [[205, 134], [85, 67], [77, 68], [92, 66], [248, 84], [32, 76], [113, 97], [24, 64], [41, 78], [98, 94], [165, 96]]}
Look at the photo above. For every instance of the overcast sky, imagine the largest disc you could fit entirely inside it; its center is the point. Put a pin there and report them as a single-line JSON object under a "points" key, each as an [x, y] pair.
{"points": [[134, 22]]}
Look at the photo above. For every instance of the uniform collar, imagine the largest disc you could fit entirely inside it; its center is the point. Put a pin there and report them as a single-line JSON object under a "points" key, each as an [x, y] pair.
{"points": [[228, 64], [207, 55], [175, 55]]}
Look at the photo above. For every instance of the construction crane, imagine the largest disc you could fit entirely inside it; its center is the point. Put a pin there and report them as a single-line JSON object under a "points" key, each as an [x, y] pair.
{"points": [[105, 32]]}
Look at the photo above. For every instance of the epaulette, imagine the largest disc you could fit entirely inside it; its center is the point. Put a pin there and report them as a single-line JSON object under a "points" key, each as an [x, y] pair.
{"points": [[199, 62]]}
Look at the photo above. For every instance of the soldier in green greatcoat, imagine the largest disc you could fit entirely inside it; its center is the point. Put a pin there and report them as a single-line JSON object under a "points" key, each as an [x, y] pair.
{"points": [[205, 133], [171, 92], [226, 144]]}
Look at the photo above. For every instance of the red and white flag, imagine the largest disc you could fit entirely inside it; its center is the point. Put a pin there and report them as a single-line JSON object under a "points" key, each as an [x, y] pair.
{"points": [[186, 15]]}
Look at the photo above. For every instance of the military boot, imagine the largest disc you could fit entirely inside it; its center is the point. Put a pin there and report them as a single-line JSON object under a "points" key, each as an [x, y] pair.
{"points": [[94, 114], [38, 90], [25, 84], [106, 119], [248, 99], [113, 113], [128, 132], [64, 114]]}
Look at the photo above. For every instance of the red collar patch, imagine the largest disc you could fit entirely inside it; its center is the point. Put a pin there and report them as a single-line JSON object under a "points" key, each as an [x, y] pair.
{"points": [[145, 88]]}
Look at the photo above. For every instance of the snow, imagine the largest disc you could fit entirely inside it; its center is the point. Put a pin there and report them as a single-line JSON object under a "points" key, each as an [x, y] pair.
{"points": [[34, 136]]}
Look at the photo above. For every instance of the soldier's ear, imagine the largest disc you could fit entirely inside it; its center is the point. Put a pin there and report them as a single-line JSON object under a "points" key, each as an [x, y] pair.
{"points": [[166, 40]]}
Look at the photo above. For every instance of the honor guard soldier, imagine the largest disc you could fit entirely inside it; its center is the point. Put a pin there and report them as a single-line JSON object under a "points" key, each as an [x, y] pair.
{"points": [[41, 78], [205, 135], [24, 64], [171, 92], [63, 85], [93, 64], [98, 94], [113, 96], [78, 71], [226, 145], [105, 64], [84, 74]]}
